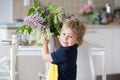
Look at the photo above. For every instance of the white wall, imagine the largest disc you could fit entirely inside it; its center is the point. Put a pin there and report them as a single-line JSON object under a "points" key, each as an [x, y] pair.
{"points": [[6, 11], [117, 3]]}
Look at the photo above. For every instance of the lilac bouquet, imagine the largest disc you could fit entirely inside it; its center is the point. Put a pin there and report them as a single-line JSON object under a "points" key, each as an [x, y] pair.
{"points": [[39, 31], [42, 20]]}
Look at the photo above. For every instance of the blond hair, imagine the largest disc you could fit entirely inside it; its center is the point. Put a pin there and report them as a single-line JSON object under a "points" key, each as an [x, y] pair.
{"points": [[77, 27]]}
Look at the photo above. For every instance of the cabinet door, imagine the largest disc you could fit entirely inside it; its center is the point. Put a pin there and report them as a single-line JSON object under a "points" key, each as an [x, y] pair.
{"points": [[104, 37], [116, 54], [29, 66]]}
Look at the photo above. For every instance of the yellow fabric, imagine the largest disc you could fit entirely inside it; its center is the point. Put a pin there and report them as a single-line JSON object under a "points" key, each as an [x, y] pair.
{"points": [[52, 72]]}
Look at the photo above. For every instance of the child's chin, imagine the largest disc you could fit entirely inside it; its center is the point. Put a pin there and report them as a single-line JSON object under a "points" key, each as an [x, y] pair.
{"points": [[64, 45]]}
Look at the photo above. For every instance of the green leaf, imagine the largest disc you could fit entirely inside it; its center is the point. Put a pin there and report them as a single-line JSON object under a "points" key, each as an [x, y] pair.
{"points": [[36, 3], [48, 18], [55, 19], [58, 27], [39, 10], [24, 28], [51, 8], [18, 29], [29, 30], [31, 11], [60, 18]]}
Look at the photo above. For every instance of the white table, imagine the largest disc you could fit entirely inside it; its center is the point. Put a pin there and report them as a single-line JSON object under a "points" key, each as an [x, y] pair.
{"points": [[97, 50]]}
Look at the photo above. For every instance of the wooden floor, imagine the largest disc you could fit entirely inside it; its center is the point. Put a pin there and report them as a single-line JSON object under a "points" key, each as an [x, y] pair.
{"points": [[110, 77]]}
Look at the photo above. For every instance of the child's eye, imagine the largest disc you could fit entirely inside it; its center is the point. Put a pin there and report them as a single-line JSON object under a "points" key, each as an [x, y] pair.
{"points": [[71, 36], [63, 33]]}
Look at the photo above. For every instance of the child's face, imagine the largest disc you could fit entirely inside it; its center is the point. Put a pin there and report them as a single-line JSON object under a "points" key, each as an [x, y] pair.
{"points": [[67, 37]]}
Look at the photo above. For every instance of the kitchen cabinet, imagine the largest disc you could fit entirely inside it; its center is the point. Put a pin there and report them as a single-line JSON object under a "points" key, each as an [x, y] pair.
{"points": [[29, 66], [106, 36], [116, 54], [29, 63]]}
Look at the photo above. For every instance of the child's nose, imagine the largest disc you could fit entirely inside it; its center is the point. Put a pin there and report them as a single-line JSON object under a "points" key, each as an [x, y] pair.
{"points": [[66, 37]]}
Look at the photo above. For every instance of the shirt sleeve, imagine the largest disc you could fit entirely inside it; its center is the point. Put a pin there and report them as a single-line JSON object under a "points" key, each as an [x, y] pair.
{"points": [[59, 56]]}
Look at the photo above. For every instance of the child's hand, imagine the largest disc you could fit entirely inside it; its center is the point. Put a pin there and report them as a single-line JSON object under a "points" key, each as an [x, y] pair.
{"points": [[46, 55], [46, 41], [56, 41]]}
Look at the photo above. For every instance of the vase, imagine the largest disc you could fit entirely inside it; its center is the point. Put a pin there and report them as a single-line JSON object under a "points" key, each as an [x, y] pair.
{"points": [[25, 38], [51, 48], [51, 45]]}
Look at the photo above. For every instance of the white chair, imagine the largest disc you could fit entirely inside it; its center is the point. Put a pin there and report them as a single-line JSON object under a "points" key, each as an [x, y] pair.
{"points": [[84, 68], [7, 62], [97, 50]]}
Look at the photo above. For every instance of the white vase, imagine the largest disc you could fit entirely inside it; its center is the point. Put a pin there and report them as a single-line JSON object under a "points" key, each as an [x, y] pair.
{"points": [[51, 48], [51, 45], [25, 36]]}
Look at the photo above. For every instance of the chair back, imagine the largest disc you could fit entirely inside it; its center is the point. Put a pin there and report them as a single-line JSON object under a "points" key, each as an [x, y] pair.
{"points": [[83, 62], [7, 62]]}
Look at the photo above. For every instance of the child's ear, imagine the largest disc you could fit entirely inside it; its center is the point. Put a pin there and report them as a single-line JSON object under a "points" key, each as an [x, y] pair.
{"points": [[77, 42]]}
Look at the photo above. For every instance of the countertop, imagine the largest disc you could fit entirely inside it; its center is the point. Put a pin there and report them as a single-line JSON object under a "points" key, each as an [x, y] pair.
{"points": [[11, 25], [103, 26]]}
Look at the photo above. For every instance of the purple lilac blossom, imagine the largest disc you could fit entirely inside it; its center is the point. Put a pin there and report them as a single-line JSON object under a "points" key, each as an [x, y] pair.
{"points": [[35, 21], [44, 8]]}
